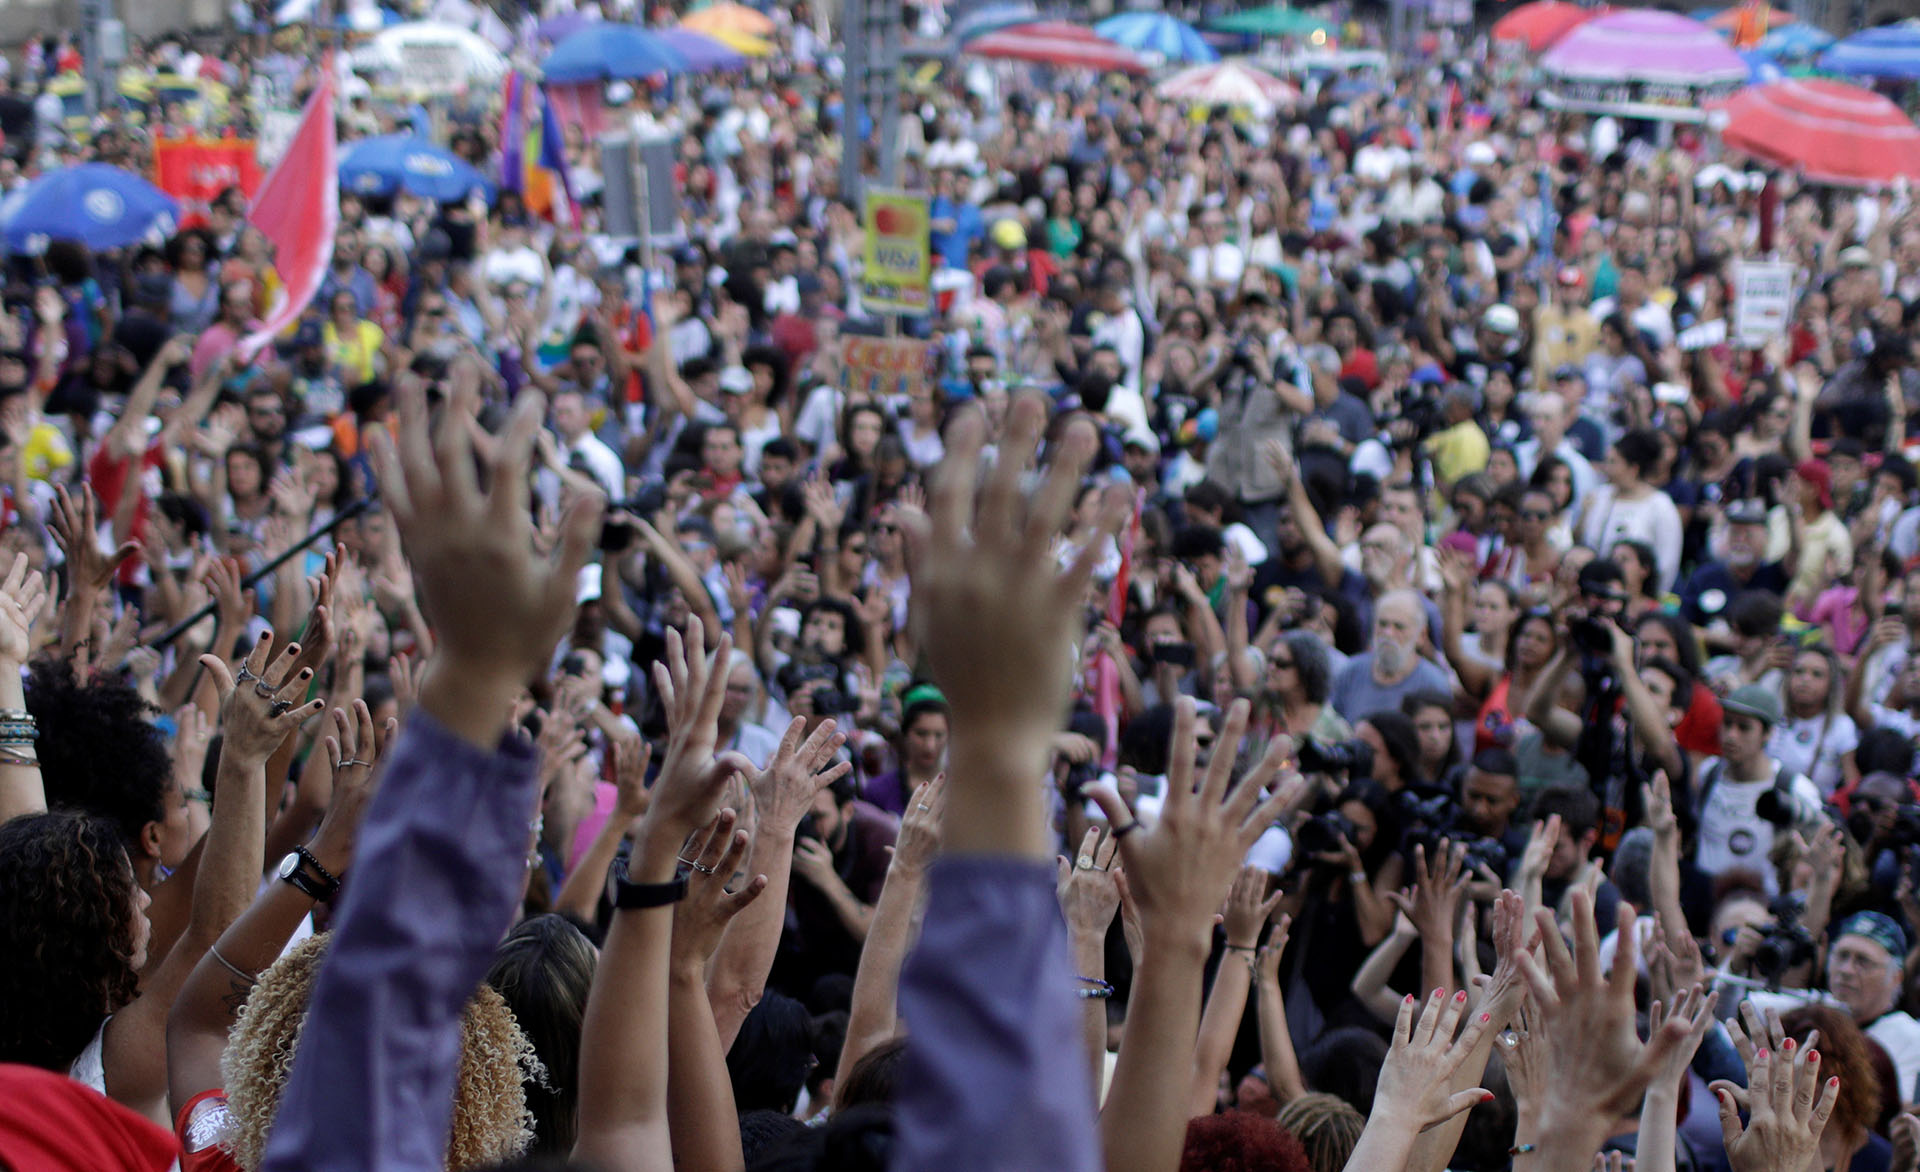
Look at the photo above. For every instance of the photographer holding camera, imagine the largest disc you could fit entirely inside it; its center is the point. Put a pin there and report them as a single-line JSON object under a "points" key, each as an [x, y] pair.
{"points": [[1744, 797]]}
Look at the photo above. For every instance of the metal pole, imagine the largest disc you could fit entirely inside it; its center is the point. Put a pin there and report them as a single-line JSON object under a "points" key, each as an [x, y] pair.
{"points": [[92, 13], [347, 514], [884, 92], [853, 100]]}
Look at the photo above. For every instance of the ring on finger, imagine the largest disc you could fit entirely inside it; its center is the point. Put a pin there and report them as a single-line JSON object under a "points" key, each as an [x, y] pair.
{"points": [[246, 673], [1085, 862], [263, 689], [703, 868], [279, 708]]}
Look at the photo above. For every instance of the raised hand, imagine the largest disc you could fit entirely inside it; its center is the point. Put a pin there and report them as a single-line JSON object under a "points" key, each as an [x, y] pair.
{"points": [[800, 768], [257, 709], [233, 604], [1539, 850], [74, 523], [1413, 1093], [23, 596], [496, 610], [1248, 907], [1086, 885], [631, 756], [1693, 1008], [701, 919], [919, 838], [1437, 890], [1182, 868], [352, 751], [1789, 1111], [691, 688]]}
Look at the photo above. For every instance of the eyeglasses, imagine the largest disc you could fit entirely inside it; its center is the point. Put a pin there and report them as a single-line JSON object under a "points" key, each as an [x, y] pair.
{"points": [[1534, 515]]}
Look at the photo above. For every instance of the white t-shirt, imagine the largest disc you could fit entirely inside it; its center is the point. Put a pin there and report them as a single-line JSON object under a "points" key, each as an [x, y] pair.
{"points": [[1813, 746], [1652, 519], [1899, 1035], [1732, 832]]}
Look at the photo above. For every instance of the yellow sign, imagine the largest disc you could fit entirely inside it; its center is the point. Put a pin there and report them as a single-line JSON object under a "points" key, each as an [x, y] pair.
{"points": [[899, 255], [883, 368]]}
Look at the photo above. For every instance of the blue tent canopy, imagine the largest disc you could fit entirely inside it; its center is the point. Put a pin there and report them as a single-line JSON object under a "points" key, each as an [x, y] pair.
{"points": [[605, 50], [391, 162], [1156, 32], [1888, 51]]}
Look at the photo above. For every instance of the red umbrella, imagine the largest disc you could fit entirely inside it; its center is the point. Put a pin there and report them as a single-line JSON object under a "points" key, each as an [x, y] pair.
{"points": [[1542, 22], [1053, 42], [1829, 131]]}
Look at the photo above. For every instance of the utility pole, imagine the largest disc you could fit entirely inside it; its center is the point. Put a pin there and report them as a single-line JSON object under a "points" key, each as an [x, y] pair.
{"points": [[870, 92], [92, 14]]}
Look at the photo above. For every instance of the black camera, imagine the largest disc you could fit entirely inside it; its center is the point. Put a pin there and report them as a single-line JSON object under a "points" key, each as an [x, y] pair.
{"points": [[1781, 807], [1325, 834], [1417, 407], [1490, 853], [1785, 945], [1905, 831], [834, 702], [1354, 758], [1590, 634]]}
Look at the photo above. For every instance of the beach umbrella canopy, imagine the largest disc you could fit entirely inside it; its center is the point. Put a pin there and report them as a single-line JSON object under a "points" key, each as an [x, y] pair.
{"points": [[729, 18], [98, 205], [983, 20], [434, 56], [606, 50], [1829, 131], [1645, 45], [405, 162], [1228, 84], [702, 53], [1767, 16], [1761, 68], [1274, 20], [1795, 40], [1541, 23], [1052, 42], [1156, 32], [1891, 51], [555, 29]]}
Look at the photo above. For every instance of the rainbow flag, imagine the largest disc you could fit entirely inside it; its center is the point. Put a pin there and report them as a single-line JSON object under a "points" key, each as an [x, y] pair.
{"points": [[533, 157]]}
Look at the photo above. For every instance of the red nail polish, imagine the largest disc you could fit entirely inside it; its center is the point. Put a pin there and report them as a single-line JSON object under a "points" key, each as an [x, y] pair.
{"points": [[1786, 1047], [1763, 1052], [1460, 996], [1813, 1056], [1409, 999], [1485, 1018], [1834, 1081]]}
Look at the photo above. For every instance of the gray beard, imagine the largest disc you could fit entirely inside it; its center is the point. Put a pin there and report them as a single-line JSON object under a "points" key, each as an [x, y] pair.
{"points": [[1391, 658]]}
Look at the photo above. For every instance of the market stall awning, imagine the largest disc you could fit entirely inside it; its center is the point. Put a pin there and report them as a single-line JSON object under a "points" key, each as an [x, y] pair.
{"points": [[1645, 45], [1540, 24]]}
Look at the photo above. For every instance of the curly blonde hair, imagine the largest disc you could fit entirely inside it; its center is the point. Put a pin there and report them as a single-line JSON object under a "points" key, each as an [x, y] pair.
{"points": [[1327, 1126], [491, 1123]]}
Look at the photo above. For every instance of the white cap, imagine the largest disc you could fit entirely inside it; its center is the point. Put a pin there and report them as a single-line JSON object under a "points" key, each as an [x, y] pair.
{"points": [[586, 587], [736, 380]]}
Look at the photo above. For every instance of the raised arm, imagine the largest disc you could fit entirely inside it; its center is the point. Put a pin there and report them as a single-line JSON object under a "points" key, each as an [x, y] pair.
{"points": [[1650, 725], [23, 595], [683, 573], [1543, 702], [580, 893], [257, 713], [1370, 982], [874, 1017], [624, 1037], [440, 866], [782, 795], [1477, 676], [1306, 518], [1180, 871], [1248, 907], [1089, 891], [1276, 1041]]}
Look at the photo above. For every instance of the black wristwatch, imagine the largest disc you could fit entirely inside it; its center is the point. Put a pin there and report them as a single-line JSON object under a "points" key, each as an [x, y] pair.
{"points": [[304, 871], [631, 896]]}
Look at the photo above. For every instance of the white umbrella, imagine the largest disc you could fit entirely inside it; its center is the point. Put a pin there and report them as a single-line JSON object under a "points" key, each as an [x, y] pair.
{"points": [[1228, 84], [438, 58]]}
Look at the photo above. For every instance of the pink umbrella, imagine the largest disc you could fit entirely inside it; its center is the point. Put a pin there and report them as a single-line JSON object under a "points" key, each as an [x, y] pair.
{"points": [[1055, 42], [1645, 45], [1228, 84]]}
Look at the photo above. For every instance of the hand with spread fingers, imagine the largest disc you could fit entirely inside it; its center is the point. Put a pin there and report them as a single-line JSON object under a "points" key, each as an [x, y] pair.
{"points": [[1788, 1111], [686, 794], [74, 523], [713, 858], [801, 767], [918, 842], [495, 608], [1415, 1089], [1248, 908], [261, 703], [1182, 868], [1085, 886], [23, 596]]}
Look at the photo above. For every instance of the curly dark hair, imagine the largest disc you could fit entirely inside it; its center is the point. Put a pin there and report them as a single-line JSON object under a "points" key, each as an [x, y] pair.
{"points": [[99, 751], [1240, 1140], [66, 935]]}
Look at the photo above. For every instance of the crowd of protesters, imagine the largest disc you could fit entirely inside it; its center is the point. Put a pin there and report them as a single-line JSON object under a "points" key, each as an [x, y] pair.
{"points": [[1344, 658]]}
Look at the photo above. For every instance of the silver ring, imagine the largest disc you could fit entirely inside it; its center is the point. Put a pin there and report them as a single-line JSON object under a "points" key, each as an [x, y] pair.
{"points": [[351, 761], [279, 707], [1086, 862], [923, 806], [1509, 1038], [263, 689], [703, 868], [246, 673]]}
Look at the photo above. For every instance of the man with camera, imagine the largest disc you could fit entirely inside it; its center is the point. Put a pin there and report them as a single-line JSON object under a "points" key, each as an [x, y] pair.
{"points": [[1744, 797]]}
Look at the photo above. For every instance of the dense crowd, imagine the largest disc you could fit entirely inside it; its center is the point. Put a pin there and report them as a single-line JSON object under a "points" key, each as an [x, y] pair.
{"points": [[1342, 618]]}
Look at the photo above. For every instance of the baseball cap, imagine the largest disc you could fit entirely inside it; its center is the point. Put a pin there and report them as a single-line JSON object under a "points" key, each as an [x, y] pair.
{"points": [[1570, 276], [1747, 511], [1855, 257], [736, 380], [1502, 319], [1761, 703], [1009, 234], [1143, 439]]}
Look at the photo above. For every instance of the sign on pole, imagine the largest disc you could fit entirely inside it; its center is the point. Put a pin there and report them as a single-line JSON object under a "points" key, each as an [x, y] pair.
{"points": [[1762, 300], [899, 257]]}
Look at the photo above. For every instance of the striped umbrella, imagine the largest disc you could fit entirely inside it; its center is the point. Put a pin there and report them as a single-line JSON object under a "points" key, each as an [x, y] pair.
{"points": [[1156, 32], [1829, 131], [1229, 84], [1052, 42]]}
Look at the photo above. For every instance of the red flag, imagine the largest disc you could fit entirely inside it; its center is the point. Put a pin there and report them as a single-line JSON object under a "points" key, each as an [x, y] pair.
{"points": [[298, 209]]}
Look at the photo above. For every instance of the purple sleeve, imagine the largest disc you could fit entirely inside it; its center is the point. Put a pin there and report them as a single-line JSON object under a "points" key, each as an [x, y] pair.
{"points": [[995, 1073], [439, 870]]}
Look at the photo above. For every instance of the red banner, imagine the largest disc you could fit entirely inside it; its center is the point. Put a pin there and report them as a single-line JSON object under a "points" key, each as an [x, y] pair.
{"points": [[195, 170]]}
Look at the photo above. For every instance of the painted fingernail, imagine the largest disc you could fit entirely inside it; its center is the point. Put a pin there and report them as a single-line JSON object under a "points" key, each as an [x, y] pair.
{"points": [[1834, 1081], [1786, 1047], [1762, 1052], [1813, 1056], [1486, 1096], [1460, 997], [1409, 999], [1439, 994], [1485, 1018]]}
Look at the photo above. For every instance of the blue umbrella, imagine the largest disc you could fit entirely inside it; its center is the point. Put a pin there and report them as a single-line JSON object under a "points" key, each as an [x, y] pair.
{"points": [[703, 54], [98, 205], [605, 50], [1156, 32], [1798, 39], [980, 21], [555, 29], [1889, 51], [380, 166], [1761, 68]]}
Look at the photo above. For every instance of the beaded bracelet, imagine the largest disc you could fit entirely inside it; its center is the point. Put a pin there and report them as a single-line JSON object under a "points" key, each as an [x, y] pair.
{"points": [[1101, 990]]}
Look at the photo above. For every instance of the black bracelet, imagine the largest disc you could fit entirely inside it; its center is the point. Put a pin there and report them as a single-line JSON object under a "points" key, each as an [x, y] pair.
{"points": [[306, 856], [631, 896]]}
